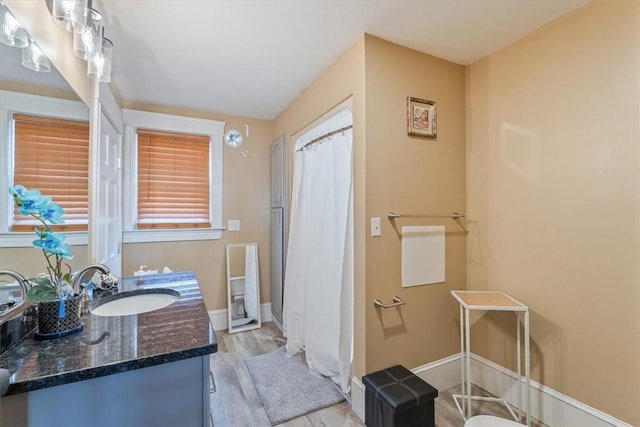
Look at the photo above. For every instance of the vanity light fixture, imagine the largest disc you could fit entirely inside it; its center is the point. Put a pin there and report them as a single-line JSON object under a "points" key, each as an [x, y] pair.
{"points": [[11, 32], [89, 43], [99, 64], [69, 14], [87, 38], [34, 59]]}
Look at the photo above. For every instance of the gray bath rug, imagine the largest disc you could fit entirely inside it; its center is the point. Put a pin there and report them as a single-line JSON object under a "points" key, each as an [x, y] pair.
{"points": [[287, 388]]}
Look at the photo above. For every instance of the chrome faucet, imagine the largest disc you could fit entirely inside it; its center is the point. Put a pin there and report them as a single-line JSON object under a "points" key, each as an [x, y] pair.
{"points": [[29, 313], [75, 277], [22, 281], [75, 284]]}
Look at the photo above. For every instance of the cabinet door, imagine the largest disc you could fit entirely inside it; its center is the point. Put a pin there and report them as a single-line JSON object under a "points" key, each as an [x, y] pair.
{"points": [[277, 173], [167, 395]]}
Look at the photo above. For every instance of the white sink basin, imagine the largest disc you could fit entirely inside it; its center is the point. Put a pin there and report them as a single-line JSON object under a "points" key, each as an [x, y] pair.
{"points": [[134, 302]]}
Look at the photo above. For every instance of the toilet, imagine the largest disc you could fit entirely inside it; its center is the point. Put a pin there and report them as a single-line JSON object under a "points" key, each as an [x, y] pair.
{"points": [[489, 421]]}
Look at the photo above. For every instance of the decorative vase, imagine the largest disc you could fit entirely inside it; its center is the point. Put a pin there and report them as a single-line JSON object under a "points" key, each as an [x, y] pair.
{"points": [[51, 325]]}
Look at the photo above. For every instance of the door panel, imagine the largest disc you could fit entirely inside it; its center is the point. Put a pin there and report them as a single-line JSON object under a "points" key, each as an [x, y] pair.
{"points": [[107, 237]]}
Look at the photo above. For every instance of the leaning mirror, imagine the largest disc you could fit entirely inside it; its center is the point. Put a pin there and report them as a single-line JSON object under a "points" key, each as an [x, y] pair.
{"points": [[243, 287]]}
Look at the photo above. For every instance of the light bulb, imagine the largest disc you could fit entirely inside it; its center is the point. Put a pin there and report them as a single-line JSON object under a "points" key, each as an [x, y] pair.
{"points": [[86, 38], [99, 64], [69, 14], [34, 59], [11, 32]]}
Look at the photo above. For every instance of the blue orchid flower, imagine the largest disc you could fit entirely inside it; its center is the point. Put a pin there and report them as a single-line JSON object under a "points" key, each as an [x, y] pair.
{"points": [[28, 201], [52, 212], [52, 243], [42, 208]]}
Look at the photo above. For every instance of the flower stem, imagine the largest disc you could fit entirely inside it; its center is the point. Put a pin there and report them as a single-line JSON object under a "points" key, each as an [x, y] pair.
{"points": [[55, 268]]}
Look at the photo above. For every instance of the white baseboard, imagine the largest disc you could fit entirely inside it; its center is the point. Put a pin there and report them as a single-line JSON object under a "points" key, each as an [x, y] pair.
{"points": [[220, 320], [357, 397], [441, 374], [547, 405]]}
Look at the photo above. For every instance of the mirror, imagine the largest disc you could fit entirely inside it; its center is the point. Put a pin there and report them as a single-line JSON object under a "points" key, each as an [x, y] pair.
{"points": [[16, 78], [13, 73], [243, 287]]}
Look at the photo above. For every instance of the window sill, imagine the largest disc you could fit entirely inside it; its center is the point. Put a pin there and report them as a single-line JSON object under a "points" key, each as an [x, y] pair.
{"points": [[25, 240], [150, 236]]}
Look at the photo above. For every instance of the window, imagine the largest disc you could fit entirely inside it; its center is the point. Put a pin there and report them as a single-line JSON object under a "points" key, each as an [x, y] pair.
{"points": [[172, 178], [27, 157], [52, 155]]}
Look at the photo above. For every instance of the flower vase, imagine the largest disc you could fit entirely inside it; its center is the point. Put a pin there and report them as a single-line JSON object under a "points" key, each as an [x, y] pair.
{"points": [[52, 325]]}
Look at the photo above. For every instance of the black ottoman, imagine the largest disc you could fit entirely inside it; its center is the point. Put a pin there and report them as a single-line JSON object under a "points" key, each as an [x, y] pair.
{"points": [[395, 397]]}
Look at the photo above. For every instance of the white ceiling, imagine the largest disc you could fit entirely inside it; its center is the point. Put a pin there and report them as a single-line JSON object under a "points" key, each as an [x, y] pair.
{"points": [[253, 58]]}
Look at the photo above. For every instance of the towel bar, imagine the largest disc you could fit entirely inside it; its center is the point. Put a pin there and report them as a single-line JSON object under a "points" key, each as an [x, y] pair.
{"points": [[454, 215], [396, 302]]}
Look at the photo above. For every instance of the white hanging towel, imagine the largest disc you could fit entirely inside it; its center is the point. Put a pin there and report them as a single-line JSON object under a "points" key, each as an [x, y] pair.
{"points": [[251, 282], [422, 255]]}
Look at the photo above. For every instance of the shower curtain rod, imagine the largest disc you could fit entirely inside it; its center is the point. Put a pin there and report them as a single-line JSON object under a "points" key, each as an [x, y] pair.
{"points": [[326, 135]]}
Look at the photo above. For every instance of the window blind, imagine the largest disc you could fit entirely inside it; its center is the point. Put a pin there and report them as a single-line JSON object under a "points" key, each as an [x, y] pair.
{"points": [[173, 180], [52, 155]]}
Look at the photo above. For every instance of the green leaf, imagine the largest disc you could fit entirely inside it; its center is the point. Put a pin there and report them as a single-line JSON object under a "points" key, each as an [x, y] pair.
{"points": [[40, 281], [42, 293]]}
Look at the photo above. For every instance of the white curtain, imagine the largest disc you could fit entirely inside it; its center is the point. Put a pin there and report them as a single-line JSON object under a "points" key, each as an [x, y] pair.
{"points": [[318, 290]]}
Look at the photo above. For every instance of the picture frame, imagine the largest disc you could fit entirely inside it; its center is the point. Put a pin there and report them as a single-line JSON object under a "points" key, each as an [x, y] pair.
{"points": [[421, 117]]}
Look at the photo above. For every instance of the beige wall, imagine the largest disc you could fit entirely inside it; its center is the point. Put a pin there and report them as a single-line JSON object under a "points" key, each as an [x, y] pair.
{"points": [[388, 175], [341, 80], [246, 196], [30, 261], [553, 201], [410, 174]]}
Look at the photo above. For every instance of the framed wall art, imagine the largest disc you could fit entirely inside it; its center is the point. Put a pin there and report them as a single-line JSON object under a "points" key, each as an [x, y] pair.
{"points": [[421, 117]]}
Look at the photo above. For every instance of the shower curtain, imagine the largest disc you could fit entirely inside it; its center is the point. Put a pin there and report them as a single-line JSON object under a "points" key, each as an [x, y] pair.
{"points": [[318, 291]]}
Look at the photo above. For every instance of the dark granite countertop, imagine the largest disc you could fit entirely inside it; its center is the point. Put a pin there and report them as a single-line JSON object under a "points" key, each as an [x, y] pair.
{"points": [[109, 345]]}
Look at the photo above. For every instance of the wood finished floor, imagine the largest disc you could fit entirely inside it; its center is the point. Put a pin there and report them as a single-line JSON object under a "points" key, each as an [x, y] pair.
{"points": [[236, 403]]}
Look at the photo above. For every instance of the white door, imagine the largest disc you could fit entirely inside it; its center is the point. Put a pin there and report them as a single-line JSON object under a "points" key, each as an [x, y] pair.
{"points": [[107, 220]]}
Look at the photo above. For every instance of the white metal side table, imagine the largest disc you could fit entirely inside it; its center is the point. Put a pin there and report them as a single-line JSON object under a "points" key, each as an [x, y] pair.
{"points": [[485, 301]]}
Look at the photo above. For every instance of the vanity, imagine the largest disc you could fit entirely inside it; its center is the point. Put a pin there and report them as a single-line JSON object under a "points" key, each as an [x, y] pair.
{"points": [[147, 369]]}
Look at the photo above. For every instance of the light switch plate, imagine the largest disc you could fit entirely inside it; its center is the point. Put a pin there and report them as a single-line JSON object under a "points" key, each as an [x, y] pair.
{"points": [[233, 225], [375, 227]]}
